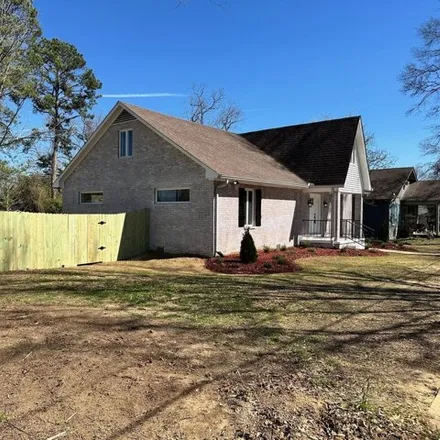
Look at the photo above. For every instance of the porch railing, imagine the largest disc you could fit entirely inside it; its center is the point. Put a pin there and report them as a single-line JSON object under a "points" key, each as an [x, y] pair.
{"points": [[349, 229], [316, 228], [355, 229]]}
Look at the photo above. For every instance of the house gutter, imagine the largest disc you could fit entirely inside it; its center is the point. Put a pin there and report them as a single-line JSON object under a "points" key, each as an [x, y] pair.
{"points": [[271, 183]]}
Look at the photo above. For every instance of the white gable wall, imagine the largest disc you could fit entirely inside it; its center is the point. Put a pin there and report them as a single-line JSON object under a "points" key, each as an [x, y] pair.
{"points": [[353, 183]]}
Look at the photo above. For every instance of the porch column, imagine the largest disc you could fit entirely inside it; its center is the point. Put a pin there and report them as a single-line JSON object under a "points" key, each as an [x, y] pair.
{"points": [[361, 219], [336, 215]]}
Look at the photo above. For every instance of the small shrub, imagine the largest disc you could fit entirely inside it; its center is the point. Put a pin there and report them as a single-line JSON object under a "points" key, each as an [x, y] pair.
{"points": [[267, 265], [248, 251], [279, 259], [266, 249], [364, 403], [305, 244], [283, 247], [219, 259], [311, 250], [383, 245], [343, 250], [278, 247]]}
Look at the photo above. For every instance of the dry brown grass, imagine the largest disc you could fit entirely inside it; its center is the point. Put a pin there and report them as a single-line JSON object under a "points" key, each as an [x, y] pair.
{"points": [[166, 349]]}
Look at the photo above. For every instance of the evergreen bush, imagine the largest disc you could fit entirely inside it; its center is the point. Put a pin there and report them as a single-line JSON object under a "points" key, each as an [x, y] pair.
{"points": [[248, 251]]}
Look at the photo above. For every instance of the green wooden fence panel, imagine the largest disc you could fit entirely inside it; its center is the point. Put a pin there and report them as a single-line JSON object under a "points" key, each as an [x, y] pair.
{"points": [[44, 241]]}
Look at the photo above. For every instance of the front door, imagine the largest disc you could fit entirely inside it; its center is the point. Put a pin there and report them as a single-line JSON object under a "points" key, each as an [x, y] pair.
{"points": [[315, 214]]}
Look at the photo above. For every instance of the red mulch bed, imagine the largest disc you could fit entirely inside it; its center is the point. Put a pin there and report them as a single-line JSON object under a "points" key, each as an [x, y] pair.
{"points": [[279, 261]]}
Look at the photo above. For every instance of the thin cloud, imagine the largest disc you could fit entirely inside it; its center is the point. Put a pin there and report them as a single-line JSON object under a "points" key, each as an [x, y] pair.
{"points": [[143, 95]]}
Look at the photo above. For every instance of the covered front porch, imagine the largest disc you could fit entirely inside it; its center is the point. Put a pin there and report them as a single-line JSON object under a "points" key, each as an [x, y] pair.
{"points": [[332, 218]]}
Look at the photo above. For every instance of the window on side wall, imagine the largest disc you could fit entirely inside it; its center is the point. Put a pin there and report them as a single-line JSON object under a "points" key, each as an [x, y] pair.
{"points": [[173, 195], [125, 143], [249, 207], [91, 197]]}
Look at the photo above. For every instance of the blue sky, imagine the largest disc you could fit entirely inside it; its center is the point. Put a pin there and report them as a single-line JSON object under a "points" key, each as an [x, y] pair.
{"points": [[282, 61]]}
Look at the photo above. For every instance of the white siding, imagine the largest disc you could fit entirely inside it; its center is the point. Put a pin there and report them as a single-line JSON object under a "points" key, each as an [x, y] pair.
{"points": [[353, 182]]}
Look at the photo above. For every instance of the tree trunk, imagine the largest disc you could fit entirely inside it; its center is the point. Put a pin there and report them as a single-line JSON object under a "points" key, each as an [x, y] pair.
{"points": [[54, 166]]}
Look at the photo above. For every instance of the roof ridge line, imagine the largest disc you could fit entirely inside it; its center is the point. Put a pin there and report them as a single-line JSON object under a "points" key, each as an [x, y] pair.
{"points": [[299, 125]]}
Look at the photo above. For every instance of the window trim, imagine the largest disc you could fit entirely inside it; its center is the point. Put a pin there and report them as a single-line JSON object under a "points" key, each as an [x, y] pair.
{"points": [[171, 189], [90, 192], [125, 130], [246, 223], [353, 156]]}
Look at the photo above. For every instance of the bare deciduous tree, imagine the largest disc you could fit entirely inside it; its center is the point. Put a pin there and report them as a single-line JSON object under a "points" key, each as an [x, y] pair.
{"points": [[377, 157], [89, 126], [228, 117], [212, 108], [203, 104], [421, 80]]}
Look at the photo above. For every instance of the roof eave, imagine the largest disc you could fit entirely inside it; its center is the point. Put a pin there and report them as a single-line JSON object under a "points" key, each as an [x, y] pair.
{"points": [[273, 183]]}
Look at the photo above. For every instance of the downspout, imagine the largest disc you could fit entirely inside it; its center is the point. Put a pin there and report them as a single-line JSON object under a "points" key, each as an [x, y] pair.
{"points": [[215, 214]]}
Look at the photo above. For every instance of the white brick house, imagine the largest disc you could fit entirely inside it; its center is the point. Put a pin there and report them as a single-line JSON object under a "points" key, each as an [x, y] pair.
{"points": [[203, 186]]}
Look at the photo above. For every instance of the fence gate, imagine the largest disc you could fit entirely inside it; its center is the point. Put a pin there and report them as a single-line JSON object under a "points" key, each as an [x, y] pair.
{"points": [[41, 241]]}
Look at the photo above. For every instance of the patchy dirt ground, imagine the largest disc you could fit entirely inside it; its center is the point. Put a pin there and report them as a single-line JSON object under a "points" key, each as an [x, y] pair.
{"points": [[339, 350]]}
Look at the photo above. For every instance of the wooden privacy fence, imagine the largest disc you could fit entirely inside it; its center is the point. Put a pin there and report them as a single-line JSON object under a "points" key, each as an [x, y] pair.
{"points": [[43, 241]]}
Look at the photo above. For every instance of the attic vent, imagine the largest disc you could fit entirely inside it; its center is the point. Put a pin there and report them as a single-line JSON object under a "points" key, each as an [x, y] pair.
{"points": [[124, 116]]}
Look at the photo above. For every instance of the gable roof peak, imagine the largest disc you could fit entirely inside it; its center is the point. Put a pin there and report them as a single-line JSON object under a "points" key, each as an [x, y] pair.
{"points": [[318, 152]]}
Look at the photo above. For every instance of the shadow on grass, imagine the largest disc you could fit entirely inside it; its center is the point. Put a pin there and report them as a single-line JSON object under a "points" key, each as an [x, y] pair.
{"points": [[331, 310]]}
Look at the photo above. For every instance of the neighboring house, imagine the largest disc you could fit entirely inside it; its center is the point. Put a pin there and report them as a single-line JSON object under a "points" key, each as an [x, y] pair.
{"points": [[421, 208], [203, 186], [399, 205], [382, 205]]}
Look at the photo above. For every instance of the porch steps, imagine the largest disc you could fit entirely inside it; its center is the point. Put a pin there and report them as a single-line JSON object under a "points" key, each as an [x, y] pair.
{"points": [[329, 243]]}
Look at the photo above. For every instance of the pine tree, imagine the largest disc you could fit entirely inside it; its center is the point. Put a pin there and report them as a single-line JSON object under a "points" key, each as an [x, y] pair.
{"points": [[19, 32], [66, 90]]}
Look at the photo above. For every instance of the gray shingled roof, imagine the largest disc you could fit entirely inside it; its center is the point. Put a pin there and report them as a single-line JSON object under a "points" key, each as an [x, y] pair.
{"points": [[387, 183], [423, 191], [227, 154], [318, 152]]}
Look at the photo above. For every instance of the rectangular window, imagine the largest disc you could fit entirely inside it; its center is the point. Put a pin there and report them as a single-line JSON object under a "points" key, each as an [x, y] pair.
{"points": [[126, 143], [91, 197], [250, 207], [172, 195], [353, 156]]}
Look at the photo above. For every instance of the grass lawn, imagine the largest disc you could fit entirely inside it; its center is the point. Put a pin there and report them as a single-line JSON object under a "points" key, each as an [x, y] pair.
{"points": [[424, 244], [167, 349]]}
